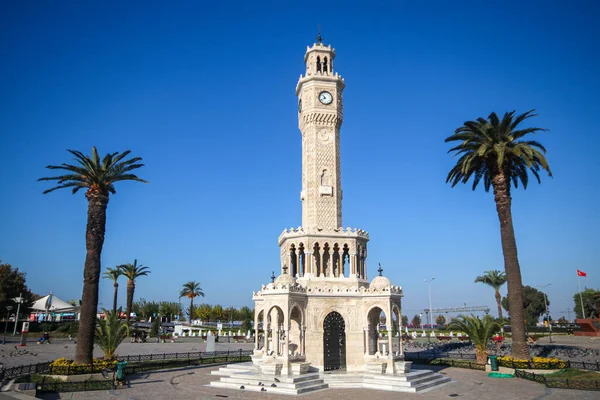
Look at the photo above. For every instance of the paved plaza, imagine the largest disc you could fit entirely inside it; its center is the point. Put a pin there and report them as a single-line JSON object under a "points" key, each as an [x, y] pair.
{"points": [[190, 383]]}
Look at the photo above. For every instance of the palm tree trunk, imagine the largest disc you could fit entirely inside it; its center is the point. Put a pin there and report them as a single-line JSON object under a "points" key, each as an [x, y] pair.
{"points": [[499, 303], [511, 266], [191, 309], [115, 298], [94, 240], [130, 290]]}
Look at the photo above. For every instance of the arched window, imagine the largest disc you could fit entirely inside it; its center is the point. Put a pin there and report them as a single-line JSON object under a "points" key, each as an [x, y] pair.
{"points": [[325, 64], [318, 64]]}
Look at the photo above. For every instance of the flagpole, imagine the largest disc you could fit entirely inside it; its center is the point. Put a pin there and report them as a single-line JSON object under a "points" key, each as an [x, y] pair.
{"points": [[580, 296]]}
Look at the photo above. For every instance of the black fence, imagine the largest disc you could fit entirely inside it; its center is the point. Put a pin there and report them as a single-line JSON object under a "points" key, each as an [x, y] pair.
{"points": [[136, 363], [579, 384]]}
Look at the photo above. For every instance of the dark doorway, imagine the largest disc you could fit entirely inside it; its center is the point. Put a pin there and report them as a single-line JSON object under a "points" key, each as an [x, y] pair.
{"points": [[334, 342]]}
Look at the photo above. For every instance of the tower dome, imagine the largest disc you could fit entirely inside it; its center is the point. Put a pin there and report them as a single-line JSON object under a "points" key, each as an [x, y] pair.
{"points": [[285, 279], [380, 282]]}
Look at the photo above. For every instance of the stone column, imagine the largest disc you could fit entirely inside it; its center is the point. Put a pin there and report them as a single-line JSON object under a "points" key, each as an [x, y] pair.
{"points": [[256, 332], [353, 264], [401, 342], [366, 339], [308, 260], [389, 322], [322, 264]]}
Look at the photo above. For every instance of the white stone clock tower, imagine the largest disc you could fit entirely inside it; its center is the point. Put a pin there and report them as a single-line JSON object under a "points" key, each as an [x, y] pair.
{"points": [[321, 312], [320, 118]]}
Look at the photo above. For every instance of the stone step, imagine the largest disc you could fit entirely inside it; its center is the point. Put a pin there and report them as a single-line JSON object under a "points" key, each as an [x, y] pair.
{"points": [[268, 389], [271, 378], [420, 388], [403, 377], [265, 383], [433, 384]]}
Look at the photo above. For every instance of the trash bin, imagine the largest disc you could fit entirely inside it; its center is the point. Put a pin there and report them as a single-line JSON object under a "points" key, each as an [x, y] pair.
{"points": [[494, 363], [121, 370]]}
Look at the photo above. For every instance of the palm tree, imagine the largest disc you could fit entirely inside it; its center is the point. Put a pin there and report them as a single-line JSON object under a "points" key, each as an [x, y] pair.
{"points": [[113, 274], [98, 178], [132, 272], [110, 333], [493, 150], [480, 332], [190, 290], [494, 279]]}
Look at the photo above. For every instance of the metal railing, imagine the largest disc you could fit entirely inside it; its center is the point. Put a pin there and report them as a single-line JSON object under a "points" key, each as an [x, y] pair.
{"points": [[138, 363]]}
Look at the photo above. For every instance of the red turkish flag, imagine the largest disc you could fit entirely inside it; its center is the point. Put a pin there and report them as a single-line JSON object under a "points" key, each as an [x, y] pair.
{"points": [[581, 273]]}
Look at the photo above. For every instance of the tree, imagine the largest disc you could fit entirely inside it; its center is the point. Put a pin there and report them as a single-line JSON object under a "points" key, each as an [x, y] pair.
{"points": [[588, 302], [204, 312], [480, 332], [170, 309], [191, 290], [145, 309], [110, 332], [132, 272], [493, 150], [12, 284], [113, 274], [404, 320], [98, 178], [416, 321], [495, 279], [534, 305], [217, 313], [440, 321], [246, 315]]}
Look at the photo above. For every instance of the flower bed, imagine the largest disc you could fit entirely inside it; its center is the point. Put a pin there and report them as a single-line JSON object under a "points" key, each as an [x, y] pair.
{"points": [[534, 363], [62, 366]]}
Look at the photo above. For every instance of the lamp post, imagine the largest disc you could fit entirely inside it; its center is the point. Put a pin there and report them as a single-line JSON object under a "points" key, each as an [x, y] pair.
{"points": [[547, 312], [8, 308], [428, 281], [18, 300]]}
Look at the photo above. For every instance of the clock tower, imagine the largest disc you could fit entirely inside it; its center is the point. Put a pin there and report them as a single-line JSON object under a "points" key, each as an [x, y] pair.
{"points": [[322, 249], [319, 119]]}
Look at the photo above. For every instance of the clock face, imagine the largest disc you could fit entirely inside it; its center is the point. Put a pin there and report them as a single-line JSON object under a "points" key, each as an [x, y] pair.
{"points": [[300, 105], [325, 97]]}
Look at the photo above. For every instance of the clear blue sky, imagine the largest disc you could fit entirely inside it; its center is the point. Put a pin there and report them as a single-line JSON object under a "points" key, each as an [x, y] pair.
{"points": [[204, 92]]}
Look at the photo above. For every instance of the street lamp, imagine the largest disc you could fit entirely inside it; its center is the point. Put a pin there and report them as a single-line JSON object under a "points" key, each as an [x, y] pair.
{"points": [[8, 308], [547, 312], [428, 281]]}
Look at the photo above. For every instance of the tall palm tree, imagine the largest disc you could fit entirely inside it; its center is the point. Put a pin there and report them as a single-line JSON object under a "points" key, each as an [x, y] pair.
{"points": [[494, 150], [494, 279], [191, 290], [132, 272], [98, 178], [113, 274]]}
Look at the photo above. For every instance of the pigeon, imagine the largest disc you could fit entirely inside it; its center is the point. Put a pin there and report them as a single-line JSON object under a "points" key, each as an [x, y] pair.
{"points": [[263, 389], [260, 384], [273, 385], [276, 380], [66, 347], [242, 387]]}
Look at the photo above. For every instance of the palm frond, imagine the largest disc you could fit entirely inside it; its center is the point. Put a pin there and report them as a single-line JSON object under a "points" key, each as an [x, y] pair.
{"points": [[93, 173]]}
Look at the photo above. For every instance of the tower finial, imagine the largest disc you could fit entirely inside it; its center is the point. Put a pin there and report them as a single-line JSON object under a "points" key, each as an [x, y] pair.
{"points": [[319, 37], [380, 270]]}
